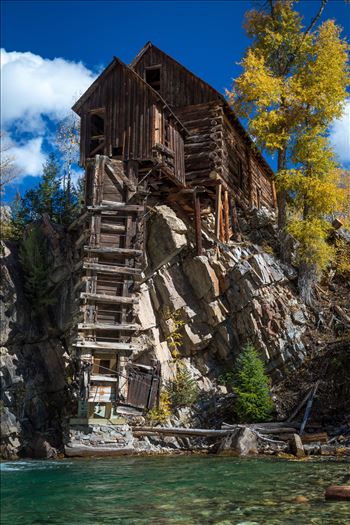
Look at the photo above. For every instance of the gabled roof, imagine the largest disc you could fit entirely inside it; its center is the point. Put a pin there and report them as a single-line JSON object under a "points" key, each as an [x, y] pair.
{"points": [[116, 62], [228, 109], [149, 45]]}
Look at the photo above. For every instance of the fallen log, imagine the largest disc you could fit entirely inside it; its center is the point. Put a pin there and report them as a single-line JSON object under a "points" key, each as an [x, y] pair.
{"points": [[174, 431], [320, 437]]}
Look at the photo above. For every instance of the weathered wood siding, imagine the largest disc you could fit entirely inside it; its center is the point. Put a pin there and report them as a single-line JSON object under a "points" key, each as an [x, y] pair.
{"points": [[131, 112], [215, 145], [178, 86], [204, 123]]}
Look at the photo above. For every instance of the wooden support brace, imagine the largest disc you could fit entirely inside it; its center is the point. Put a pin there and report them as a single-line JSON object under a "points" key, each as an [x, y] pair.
{"points": [[197, 222], [227, 216], [218, 210]]}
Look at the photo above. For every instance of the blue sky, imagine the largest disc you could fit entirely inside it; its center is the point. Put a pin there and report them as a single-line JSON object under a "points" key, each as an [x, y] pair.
{"points": [[52, 50]]}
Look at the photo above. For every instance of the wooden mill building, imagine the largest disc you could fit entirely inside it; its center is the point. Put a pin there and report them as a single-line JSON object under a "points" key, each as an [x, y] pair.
{"points": [[152, 127]]}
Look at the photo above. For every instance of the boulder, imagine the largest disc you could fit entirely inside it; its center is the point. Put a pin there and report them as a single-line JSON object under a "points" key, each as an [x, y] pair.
{"points": [[338, 492], [300, 499], [296, 446], [166, 236], [241, 442], [202, 277]]}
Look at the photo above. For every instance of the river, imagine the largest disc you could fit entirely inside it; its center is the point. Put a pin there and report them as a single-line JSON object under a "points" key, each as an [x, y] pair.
{"points": [[171, 490]]}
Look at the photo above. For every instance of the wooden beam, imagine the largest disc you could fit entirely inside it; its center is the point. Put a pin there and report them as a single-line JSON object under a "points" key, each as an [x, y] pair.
{"points": [[114, 228], [81, 240], [226, 216], [218, 210], [119, 176], [197, 222], [222, 228], [103, 378], [117, 251], [115, 206], [174, 431], [103, 326], [105, 346], [104, 268], [101, 298]]}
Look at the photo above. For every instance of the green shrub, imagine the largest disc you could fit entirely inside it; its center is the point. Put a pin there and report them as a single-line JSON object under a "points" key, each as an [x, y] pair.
{"points": [[183, 390], [252, 388], [161, 413]]}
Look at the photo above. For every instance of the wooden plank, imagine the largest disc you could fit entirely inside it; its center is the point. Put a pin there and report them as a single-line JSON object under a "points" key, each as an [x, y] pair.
{"points": [[77, 222], [103, 268], [116, 206], [101, 298], [117, 251], [103, 378], [103, 326], [226, 216], [102, 345]]}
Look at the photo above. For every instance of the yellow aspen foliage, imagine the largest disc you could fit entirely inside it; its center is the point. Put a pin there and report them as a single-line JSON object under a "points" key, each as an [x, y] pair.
{"points": [[293, 84], [313, 248]]}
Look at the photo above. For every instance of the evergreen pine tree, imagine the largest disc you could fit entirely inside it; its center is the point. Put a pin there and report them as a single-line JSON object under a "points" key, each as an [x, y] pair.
{"points": [[17, 218], [33, 258], [252, 388]]}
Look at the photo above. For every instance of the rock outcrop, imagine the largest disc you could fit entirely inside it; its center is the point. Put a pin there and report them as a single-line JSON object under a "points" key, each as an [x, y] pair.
{"points": [[214, 304], [35, 362], [231, 295]]}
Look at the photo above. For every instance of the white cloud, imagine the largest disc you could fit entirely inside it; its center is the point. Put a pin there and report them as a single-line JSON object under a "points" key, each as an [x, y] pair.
{"points": [[32, 86], [340, 135], [35, 93], [28, 156]]}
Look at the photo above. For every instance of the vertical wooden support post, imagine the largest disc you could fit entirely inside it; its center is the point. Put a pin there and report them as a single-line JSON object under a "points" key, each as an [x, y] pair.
{"points": [[222, 226], [197, 222], [227, 214], [235, 223], [218, 210]]}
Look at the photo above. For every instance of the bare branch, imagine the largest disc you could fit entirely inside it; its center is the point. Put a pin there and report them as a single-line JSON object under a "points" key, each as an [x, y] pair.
{"points": [[316, 17], [8, 168]]}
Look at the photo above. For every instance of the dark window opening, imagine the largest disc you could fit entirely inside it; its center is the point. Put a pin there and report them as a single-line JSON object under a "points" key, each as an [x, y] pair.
{"points": [[97, 133], [105, 366], [117, 152], [153, 78], [166, 134], [97, 125]]}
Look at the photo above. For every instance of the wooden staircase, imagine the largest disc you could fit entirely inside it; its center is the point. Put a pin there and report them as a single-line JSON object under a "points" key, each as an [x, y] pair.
{"points": [[109, 250]]}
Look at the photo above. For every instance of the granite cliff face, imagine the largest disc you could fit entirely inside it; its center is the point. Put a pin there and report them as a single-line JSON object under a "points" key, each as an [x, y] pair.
{"points": [[231, 295], [217, 302], [35, 364]]}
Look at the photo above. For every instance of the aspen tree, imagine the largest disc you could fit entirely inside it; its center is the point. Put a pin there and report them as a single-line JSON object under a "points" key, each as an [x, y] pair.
{"points": [[293, 83]]}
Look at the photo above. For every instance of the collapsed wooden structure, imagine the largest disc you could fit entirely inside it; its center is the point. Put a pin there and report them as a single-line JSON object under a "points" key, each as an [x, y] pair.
{"points": [[149, 128]]}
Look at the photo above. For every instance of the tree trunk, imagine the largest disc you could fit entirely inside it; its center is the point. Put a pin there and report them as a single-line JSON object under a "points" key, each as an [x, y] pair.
{"points": [[307, 274], [306, 281], [283, 237], [281, 194]]}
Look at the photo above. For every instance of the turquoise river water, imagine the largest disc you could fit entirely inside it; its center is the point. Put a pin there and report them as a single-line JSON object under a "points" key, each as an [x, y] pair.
{"points": [[171, 490]]}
